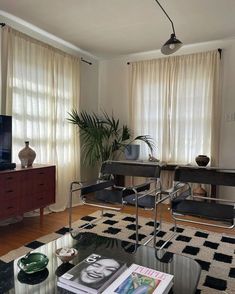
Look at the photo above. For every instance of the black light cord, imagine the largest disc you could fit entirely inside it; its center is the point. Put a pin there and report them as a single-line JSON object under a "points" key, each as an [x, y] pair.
{"points": [[167, 16]]}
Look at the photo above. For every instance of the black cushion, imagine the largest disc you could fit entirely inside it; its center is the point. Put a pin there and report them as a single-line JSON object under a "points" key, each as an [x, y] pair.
{"points": [[94, 186], [210, 210], [115, 194], [147, 201]]}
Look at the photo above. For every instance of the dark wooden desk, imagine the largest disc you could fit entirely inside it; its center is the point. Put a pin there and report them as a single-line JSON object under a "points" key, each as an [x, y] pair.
{"points": [[203, 175], [213, 176], [195, 174]]}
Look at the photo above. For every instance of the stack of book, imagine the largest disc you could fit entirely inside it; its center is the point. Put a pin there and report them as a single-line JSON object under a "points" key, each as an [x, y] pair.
{"points": [[99, 274], [93, 275], [142, 280]]}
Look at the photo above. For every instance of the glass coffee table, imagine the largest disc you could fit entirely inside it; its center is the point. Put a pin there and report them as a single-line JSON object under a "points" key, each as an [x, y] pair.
{"points": [[186, 271]]}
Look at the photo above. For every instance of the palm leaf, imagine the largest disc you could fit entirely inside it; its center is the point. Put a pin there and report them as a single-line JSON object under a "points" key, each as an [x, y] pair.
{"points": [[148, 140], [102, 136]]}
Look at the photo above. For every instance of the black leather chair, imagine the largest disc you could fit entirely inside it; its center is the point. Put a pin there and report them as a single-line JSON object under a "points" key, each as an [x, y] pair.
{"points": [[184, 204], [108, 191]]}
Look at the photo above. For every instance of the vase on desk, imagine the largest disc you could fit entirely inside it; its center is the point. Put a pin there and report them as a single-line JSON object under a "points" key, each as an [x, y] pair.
{"points": [[132, 151], [27, 155], [202, 160]]}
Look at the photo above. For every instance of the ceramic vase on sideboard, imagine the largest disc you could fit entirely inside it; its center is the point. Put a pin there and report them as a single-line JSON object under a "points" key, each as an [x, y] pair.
{"points": [[27, 155], [202, 160]]}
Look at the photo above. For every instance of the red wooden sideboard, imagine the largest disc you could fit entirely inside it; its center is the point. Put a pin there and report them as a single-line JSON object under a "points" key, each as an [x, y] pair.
{"points": [[25, 189]]}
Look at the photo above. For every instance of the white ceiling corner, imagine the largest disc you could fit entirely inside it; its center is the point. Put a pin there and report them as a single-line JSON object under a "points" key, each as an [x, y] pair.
{"points": [[110, 28]]}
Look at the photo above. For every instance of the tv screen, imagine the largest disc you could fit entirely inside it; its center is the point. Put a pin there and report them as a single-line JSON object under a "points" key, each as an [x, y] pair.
{"points": [[5, 138]]}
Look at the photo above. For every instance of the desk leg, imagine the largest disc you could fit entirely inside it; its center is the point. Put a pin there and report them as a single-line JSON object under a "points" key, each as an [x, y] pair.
{"points": [[136, 218], [213, 191]]}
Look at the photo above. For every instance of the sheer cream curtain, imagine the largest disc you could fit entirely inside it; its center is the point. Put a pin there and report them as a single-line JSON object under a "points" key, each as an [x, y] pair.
{"points": [[175, 100], [42, 87]]}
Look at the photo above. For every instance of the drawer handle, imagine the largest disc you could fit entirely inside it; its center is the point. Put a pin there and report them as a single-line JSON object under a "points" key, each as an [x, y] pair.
{"points": [[9, 191], [41, 173], [9, 178], [40, 198], [10, 207], [41, 184]]}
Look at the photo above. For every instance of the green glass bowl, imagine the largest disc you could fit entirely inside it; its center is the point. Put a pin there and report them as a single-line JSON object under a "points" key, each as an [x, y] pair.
{"points": [[33, 262]]}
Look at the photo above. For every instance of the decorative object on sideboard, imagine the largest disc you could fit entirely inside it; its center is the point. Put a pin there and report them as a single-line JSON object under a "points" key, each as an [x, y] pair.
{"points": [[132, 151], [27, 155], [202, 160]]}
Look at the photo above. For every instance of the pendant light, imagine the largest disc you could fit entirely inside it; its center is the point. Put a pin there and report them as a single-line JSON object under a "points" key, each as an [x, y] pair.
{"points": [[173, 44]]}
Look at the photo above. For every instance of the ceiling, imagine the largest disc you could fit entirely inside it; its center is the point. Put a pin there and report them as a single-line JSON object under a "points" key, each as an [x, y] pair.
{"points": [[108, 28]]}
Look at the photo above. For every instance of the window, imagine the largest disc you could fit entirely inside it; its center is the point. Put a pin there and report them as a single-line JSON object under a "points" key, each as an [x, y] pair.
{"points": [[42, 87], [175, 100]]}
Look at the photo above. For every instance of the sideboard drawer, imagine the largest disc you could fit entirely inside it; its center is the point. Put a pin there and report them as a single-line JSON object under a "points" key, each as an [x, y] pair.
{"points": [[10, 183], [43, 180], [42, 200], [9, 206]]}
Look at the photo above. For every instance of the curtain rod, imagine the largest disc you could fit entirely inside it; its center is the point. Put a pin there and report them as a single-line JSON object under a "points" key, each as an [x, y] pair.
{"points": [[2, 24], [219, 50], [88, 62]]}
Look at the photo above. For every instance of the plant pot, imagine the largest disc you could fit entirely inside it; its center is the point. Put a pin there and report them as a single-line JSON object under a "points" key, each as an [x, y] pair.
{"points": [[132, 152], [202, 160]]}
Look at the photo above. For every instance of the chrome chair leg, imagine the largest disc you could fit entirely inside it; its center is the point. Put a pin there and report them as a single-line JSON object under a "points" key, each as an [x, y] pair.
{"points": [[78, 188]]}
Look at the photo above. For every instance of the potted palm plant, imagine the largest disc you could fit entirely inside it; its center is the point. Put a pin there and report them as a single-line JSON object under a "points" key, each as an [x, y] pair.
{"points": [[102, 136]]}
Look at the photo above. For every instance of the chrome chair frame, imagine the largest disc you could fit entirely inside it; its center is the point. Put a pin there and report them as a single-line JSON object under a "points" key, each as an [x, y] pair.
{"points": [[163, 196], [124, 168], [213, 176]]}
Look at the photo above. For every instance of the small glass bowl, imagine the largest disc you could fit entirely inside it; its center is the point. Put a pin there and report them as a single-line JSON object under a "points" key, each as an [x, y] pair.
{"points": [[33, 262]]}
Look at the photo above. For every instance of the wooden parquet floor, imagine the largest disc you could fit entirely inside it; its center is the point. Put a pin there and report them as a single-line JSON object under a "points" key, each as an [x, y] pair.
{"points": [[29, 229]]}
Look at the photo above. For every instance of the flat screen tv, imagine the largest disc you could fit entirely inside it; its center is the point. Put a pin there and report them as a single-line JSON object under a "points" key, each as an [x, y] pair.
{"points": [[5, 139]]}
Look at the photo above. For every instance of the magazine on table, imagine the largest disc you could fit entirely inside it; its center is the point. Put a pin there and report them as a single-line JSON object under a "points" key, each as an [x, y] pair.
{"points": [[142, 280], [69, 288], [92, 275]]}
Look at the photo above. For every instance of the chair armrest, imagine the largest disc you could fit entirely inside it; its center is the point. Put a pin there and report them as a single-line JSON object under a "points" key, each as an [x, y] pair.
{"points": [[138, 188], [89, 187], [215, 199], [172, 192], [142, 187], [96, 186]]}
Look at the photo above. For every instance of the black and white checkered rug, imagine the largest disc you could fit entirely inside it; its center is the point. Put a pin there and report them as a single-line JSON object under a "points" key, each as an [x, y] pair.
{"points": [[214, 252]]}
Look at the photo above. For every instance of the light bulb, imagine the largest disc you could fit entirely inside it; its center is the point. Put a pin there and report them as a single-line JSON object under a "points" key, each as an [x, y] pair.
{"points": [[172, 46]]}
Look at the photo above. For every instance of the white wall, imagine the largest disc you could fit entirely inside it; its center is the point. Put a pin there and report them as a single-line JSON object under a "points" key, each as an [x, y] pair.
{"points": [[227, 139], [89, 76], [113, 88], [89, 102], [227, 136], [113, 91]]}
